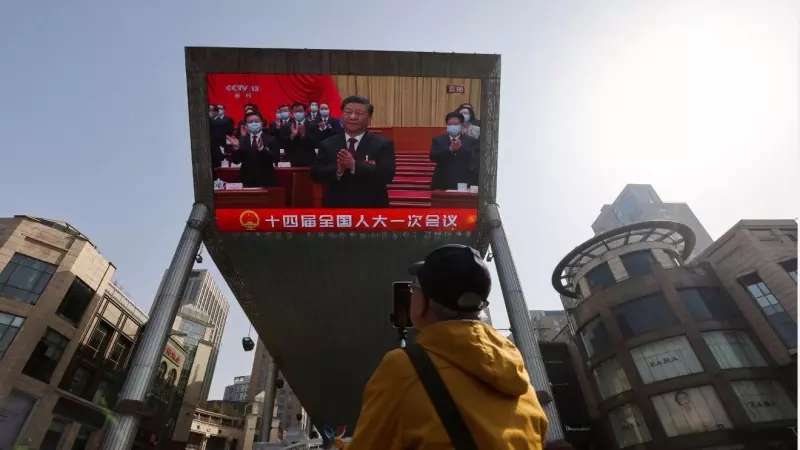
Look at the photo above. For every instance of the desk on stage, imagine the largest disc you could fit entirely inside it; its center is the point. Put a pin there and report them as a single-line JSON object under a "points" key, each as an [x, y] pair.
{"points": [[300, 189], [273, 197], [445, 199]]}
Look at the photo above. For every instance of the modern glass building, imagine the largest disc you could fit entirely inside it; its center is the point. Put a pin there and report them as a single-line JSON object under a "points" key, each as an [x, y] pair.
{"points": [[639, 203], [685, 356], [203, 293]]}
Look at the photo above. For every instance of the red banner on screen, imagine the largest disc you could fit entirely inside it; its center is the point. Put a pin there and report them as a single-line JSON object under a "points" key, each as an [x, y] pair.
{"points": [[332, 220], [268, 92]]}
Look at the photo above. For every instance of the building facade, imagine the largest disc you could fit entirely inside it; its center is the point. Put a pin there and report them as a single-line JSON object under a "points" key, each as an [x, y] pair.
{"points": [[194, 330], [211, 430], [550, 325], [203, 293], [51, 278], [639, 203], [669, 355], [258, 374], [237, 392]]}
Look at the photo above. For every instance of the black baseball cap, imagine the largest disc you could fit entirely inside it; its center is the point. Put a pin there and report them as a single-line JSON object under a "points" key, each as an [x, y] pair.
{"points": [[450, 272]]}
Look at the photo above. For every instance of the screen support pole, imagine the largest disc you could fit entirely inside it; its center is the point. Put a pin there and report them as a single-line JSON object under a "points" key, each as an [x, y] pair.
{"points": [[270, 390], [132, 404], [518, 315]]}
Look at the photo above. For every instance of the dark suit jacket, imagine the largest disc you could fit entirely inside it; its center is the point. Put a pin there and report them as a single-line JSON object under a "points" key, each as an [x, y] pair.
{"points": [[257, 165], [333, 127], [218, 128], [275, 129], [300, 149], [310, 116], [454, 167], [366, 188]]}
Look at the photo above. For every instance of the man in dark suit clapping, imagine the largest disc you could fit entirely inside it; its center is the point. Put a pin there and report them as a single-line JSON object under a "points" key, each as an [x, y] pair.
{"points": [[325, 125], [256, 152], [356, 166], [455, 155], [298, 137]]}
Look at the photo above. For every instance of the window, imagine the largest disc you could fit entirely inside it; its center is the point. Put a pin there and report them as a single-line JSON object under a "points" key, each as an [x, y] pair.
{"points": [[173, 374], [595, 337], [638, 263], [100, 338], [45, 356], [24, 278], [611, 379], [600, 277], [79, 380], [52, 439], [764, 400], [195, 332], [9, 327], [693, 410], [15, 410], [706, 304], [162, 371], [791, 268], [75, 301], [82, 439], [122, 349], [733, 349], [628, 425], [643, 315], [780, 320], [628, 210], [665, 359], [103, 394]]}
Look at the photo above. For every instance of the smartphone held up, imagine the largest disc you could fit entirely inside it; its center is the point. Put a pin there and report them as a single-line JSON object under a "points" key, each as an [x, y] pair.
{"points": [[401, 304]]}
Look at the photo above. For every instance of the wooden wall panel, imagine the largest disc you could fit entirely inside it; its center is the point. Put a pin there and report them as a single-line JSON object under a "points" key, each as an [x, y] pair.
{"points": [[410, 101]]}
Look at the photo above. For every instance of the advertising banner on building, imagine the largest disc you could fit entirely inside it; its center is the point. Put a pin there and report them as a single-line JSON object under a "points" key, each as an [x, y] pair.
{"points": [[691, 410]]}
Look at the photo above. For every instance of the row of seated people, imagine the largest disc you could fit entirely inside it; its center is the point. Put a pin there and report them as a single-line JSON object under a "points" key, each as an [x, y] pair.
{"points": [[303, 141]]}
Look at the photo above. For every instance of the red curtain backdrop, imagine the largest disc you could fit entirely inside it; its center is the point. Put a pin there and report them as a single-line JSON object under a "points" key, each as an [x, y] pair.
{"points": [[270, 91]]}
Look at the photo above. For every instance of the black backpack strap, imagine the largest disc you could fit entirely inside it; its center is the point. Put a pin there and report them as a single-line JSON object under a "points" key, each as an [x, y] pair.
{"points": [[446, 408]]}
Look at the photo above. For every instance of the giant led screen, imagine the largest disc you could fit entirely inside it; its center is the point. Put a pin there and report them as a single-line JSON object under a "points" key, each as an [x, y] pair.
{"points": [[321, 153]]}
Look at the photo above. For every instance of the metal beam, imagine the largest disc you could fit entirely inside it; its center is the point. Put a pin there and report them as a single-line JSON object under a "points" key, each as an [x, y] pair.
{"points": [[270, 389], [132, 404], [521, 325]]}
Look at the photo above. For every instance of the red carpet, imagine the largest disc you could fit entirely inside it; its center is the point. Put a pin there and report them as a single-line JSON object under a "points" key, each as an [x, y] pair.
{"points": [[411, 187]]}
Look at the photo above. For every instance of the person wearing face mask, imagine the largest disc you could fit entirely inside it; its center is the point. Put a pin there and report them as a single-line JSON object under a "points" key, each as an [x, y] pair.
{"points": [[281, 119], [220, 126], [257, 151], [299, 138], [313, 111], [327, 126], [453, 153], [248, 108], [473, 119], [470, 129]]}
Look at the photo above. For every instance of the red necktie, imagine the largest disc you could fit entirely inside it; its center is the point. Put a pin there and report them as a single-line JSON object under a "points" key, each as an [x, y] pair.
{"points": [[352, 147]]}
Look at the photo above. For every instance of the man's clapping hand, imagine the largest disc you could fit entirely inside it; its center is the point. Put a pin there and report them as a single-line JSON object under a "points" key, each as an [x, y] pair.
{"points": [[233, 142], [295, 130], [344, 160], [455, 145]]}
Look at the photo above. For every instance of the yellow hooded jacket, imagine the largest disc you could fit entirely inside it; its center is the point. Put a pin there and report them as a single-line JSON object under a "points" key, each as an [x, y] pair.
{"points": [[484, 373]]}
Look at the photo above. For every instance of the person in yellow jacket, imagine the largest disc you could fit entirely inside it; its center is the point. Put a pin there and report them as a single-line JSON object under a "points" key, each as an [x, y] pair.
{"points": [[482, 370]]}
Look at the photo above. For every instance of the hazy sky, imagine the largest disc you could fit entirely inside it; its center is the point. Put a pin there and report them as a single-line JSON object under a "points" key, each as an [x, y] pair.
{"points": [[698, 98]]}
